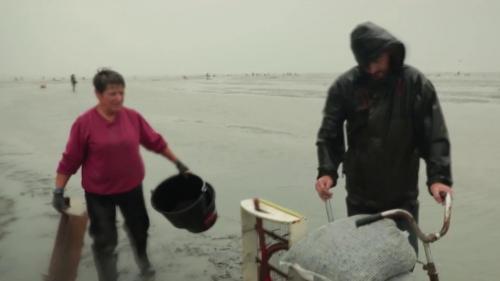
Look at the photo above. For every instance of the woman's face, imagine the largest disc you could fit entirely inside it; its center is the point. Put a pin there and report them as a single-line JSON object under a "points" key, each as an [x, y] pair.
{"points": [[111, 100]]}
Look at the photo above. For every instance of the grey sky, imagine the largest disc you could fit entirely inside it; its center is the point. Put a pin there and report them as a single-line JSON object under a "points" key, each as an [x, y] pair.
{"points": [[157, 37]]}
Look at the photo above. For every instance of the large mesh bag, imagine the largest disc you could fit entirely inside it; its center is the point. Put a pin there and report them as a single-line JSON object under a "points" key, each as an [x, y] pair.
{"points": [[339, 251], [403, 277]]}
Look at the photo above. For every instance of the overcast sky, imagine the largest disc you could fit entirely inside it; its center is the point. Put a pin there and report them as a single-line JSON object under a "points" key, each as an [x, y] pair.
{"points": [[159, 37]]}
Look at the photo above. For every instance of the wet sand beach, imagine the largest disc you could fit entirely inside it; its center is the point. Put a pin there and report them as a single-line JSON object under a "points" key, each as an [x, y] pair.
{"points": [[249, 137]]}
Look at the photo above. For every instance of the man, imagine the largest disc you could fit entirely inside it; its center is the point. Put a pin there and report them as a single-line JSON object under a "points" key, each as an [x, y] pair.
{"points": [[393, 118], [73, 82], [104, 141]]}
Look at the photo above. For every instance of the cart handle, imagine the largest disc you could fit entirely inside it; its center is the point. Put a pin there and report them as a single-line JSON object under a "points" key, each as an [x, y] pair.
{"points": [[400, 213]]}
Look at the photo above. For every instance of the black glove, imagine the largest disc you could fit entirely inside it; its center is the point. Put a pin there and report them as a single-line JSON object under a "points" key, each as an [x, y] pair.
{"points": [[181, 167], [59, 202]]}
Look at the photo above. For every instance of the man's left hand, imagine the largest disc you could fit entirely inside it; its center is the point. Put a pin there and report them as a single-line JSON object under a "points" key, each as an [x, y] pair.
{"points": [[439, 191]]}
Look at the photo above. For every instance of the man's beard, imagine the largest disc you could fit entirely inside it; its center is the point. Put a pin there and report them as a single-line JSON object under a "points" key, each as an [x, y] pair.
{"points": [[379, 76], [379, 79]]}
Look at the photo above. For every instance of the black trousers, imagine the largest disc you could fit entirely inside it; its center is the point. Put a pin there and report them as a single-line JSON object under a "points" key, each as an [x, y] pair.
{"points": [[102, 215], [410, 206]]}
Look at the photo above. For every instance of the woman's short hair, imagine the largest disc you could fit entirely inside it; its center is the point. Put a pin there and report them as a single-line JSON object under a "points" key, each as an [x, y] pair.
{"points": [[105, 77]]}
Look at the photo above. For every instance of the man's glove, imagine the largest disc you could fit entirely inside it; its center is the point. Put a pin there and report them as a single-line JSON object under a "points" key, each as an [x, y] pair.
{"points": [[181, 167], [59, 202]]}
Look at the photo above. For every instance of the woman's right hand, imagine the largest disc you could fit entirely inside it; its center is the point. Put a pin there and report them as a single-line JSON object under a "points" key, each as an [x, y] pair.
{"points": [[59, 202], [323, 185]]}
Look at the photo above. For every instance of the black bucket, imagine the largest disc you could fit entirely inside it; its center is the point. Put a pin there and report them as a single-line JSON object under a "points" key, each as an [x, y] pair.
{"points": [[186, 201]]}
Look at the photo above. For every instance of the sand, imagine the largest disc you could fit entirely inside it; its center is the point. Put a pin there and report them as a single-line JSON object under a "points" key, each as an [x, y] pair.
{"points": [[247, 136]]}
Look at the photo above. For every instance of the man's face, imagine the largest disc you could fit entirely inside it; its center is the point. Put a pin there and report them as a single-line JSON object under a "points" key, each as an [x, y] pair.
{"points": [[112, 98], [379, 67]]}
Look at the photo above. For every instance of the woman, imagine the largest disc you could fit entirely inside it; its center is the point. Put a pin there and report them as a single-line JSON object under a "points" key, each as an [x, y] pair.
{"points": [[105, 142]]}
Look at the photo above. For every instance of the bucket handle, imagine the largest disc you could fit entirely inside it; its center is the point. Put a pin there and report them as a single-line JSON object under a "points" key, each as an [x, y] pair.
{"points": [[204, 187]]}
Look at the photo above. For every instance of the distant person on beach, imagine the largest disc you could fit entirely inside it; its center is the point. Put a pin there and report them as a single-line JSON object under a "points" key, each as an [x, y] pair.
{"points": [[393, 118], [105, 142], [73, 82]]}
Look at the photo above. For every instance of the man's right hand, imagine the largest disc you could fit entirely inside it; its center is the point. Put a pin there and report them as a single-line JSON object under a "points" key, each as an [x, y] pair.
{"points": [[323, 185]]}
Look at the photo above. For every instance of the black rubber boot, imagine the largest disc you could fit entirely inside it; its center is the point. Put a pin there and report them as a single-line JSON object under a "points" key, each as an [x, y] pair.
{"points": [[105, 264], [140, 255], [145, 266]]}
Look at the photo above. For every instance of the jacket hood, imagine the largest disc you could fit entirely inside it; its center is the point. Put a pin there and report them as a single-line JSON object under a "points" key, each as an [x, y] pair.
{"points": [[369, 40]]}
